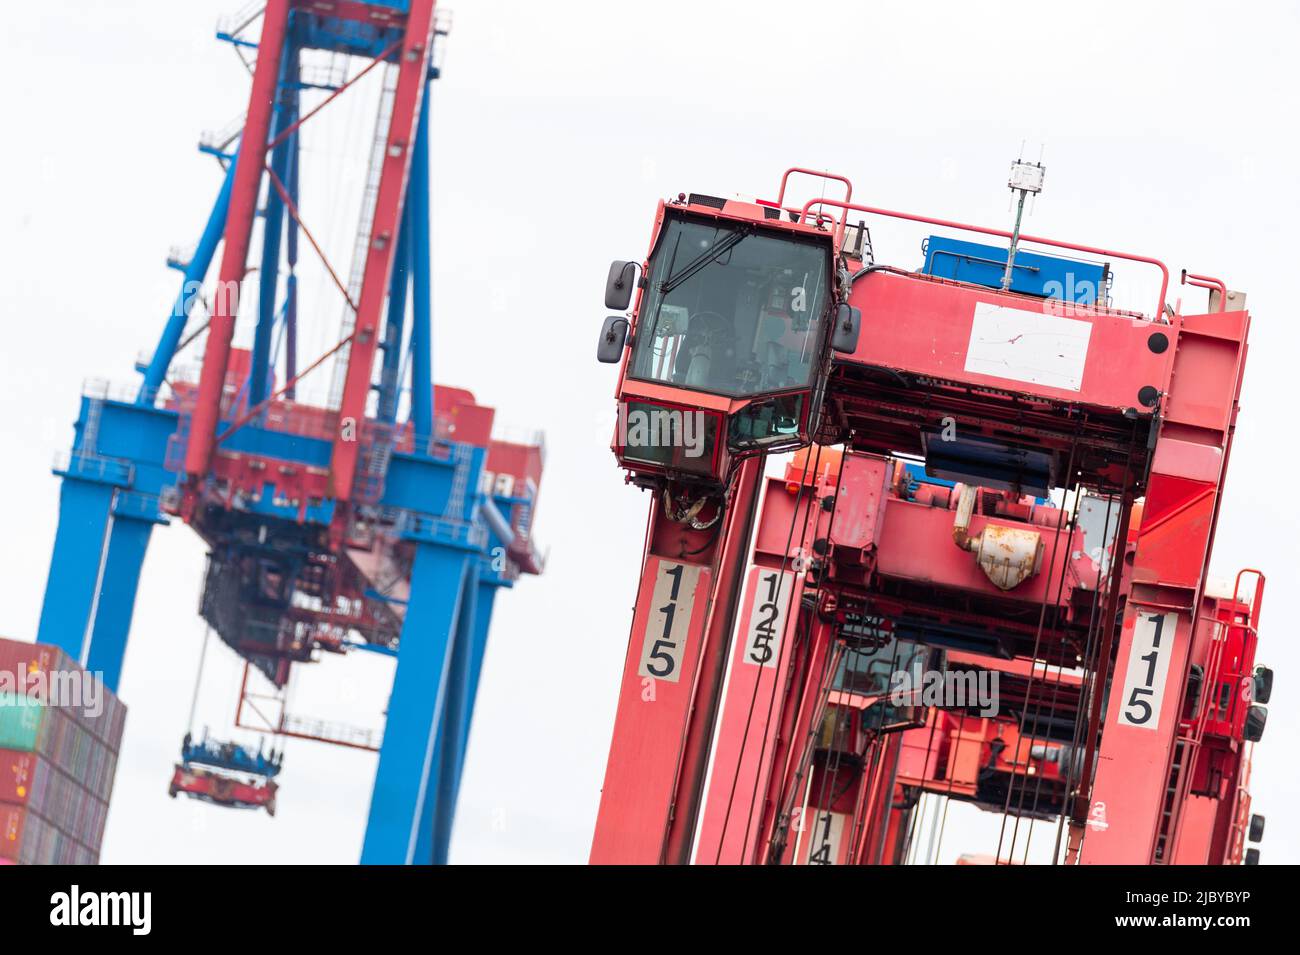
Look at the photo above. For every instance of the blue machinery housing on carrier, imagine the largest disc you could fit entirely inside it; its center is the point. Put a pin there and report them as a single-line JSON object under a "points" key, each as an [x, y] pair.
{"points": [[1034, 273]]}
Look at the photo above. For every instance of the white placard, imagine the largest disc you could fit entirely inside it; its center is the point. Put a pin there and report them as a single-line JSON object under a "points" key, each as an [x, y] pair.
{"points": [[1028, 346], [768, 616], [824, 837], [1148, 666], [664, 642]]}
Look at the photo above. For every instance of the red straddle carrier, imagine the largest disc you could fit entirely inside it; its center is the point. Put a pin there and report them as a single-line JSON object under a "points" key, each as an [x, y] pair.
{"points": [[941, 413]]}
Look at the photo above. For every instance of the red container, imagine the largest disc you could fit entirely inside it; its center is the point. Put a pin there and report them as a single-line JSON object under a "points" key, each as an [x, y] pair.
{"points": [[57, 776], [60, 740], [28, 839], [32, 781], [29, 665]]}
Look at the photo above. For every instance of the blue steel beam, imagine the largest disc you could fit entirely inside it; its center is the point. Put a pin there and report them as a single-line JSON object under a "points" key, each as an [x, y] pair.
{"points": [[195, 272], [437, 660], [390, 374], [128, 539], [260, 372], [447, 769], [73, 582], [108, 505], [421, 301], [444, 770], [95, 573], [454, 742], [291, 260], [487, 595], [415, 707]]}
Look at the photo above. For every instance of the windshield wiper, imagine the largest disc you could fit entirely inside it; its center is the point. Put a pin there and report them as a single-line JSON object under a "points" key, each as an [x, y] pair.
{"points": [[709, 255]]}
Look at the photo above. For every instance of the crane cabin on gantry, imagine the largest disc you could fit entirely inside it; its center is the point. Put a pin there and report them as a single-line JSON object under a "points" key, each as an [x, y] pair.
{"points": [[946, 415], [384, 515]]}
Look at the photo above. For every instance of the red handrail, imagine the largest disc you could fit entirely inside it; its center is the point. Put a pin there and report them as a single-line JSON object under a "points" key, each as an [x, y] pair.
{"points": [[1039, 240], [1210, 282], [1256, 598], [848, 186]]}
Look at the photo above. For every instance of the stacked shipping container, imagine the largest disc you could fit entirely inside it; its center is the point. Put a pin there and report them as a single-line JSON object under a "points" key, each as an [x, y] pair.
{"points": [[60, 732]]}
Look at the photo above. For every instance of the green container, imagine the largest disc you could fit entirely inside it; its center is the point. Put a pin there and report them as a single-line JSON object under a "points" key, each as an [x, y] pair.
{"points": [[20, 721]]}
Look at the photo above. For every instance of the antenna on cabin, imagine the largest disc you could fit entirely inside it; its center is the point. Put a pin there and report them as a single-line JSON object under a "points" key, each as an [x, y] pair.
{"points": [[1026, 179]]}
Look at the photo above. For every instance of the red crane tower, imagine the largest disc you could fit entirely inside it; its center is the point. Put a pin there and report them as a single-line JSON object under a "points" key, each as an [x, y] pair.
{"points": [[385, 517]]}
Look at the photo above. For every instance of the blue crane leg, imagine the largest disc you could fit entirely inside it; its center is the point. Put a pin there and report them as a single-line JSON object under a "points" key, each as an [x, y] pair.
{"points": [[94, 576], [108, 504], [415, 706], [436, 829], [75, 564], [487, 595], [128, 539]]}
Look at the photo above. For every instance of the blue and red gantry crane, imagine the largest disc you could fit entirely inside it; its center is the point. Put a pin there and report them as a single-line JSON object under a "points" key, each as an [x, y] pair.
{"points": [[984, 577], [386, 517]]}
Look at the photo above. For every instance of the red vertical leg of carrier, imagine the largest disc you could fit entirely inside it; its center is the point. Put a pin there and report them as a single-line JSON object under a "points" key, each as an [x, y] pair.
{"points": [[784, 817], [1129, 804], [758, 670], [681, 630]]}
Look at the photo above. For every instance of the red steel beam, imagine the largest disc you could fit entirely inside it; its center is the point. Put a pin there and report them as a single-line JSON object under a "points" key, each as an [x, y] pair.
{"points": [[413, 69], [258, 408], [292, 209], [293, 127], [239, 226]]}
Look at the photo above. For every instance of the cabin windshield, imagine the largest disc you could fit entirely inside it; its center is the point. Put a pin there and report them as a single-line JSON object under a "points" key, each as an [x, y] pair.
{"points": [[732, 310]]}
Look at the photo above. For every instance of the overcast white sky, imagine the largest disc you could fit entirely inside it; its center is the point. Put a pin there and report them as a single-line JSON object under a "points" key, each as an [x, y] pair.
{"points": [[1168, 129]]}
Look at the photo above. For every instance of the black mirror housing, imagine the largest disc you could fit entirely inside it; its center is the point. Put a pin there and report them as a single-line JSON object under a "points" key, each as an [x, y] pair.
{"points": [[1256, 717], [847, 328], [619, 284], [1195, 684], [613, 338], [1263, 688]]}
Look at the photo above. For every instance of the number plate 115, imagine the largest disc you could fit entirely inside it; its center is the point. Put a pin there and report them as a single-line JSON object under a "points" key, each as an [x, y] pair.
{"points": [[663, 645], [1148, 666]]}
